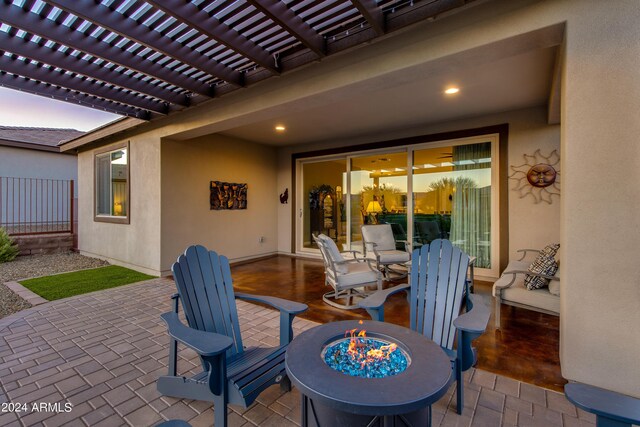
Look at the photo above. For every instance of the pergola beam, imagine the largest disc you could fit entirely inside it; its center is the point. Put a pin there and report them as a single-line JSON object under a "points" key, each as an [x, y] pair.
{"points": [[43, 54], [25, 85], [32, 23], [421, 11], [118, 23], [84, 85], [189, 14], [370, 10], [278, 12]]}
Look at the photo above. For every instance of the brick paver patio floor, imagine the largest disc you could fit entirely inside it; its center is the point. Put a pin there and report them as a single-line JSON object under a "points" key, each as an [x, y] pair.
{"points": [[102, 353]]}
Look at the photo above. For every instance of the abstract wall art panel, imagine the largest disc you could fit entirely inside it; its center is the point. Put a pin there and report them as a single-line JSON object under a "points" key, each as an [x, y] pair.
{"points": [[228, 195]]}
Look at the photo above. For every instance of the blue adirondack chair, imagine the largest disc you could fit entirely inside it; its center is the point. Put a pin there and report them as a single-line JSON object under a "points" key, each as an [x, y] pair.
{"points": [[436, 293], [610, 408], [231, 373]]}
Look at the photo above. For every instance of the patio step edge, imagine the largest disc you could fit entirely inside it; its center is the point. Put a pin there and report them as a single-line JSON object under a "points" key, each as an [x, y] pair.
{"points": [[26, 294]]}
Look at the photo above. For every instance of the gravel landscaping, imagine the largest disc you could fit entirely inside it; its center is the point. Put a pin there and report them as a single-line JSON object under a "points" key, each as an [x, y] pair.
{"points": [[34, 266]]}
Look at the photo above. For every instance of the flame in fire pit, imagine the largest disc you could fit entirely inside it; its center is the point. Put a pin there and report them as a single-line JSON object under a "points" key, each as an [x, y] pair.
{"points": [[362, 356], [363, 353]]}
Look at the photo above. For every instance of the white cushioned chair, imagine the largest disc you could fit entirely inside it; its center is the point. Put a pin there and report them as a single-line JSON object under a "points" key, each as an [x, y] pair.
{"points": [[380, 246], [510, 288], [352, 278]]}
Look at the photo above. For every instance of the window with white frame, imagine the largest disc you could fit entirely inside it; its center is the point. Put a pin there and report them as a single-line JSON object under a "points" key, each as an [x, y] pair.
{"points": [[112, 184]]}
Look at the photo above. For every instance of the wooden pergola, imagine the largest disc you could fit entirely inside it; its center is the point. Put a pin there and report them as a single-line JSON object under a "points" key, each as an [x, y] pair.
{"points": [[146, 59]]}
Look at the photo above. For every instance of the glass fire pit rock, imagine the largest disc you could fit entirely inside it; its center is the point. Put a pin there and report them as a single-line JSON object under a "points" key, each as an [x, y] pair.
{"points": [[365, 357]]}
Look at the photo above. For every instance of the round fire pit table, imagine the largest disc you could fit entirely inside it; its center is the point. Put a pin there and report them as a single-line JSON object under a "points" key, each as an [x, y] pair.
{"points": [[332, 398]]}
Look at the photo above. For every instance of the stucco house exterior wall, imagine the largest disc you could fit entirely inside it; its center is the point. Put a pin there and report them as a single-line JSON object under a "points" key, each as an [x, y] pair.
{"points": [[187, 169], [137, 244], [34, 153], [25, 162], [596, 222]]}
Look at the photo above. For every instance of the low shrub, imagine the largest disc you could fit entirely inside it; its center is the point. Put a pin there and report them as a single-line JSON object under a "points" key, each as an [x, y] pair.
{"points": [[8, 249]]}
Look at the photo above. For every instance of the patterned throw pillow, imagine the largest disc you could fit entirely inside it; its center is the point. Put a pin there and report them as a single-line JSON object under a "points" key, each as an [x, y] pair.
{"points": [[543, 264], [550, 250]]}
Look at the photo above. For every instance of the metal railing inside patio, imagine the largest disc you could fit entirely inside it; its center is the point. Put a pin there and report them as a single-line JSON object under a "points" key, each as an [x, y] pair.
{"points": [[36, 205]]}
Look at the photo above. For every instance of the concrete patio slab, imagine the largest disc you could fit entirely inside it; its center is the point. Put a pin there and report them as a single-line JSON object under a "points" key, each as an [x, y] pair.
{"points": [[92, 360]]}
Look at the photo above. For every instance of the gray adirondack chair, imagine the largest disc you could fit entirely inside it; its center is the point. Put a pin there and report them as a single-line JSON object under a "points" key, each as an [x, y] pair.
{"points": [[231, 373], [436, 292]]}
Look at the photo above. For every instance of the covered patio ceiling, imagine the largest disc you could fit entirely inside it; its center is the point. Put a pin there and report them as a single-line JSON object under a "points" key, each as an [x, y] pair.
{"points": [[411, 100], [146, 59]]}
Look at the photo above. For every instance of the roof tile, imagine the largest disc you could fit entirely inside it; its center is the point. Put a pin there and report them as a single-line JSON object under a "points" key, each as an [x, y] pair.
{"points": [[51, 137]]}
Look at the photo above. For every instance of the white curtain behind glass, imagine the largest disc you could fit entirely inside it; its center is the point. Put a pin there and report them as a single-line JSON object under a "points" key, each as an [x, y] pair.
{"points": [[471, 210]]}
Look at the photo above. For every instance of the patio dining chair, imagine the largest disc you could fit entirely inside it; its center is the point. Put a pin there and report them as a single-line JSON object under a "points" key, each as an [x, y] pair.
{"points": [[399, 234], [351, 278], [436, 293], [380, 246], [427, 231], [231, 373]]}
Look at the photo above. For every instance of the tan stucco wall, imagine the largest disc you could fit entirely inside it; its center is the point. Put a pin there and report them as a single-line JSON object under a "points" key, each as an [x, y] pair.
{"points": [[599, 318], [135, 245], [531, 224], [187, 169]]}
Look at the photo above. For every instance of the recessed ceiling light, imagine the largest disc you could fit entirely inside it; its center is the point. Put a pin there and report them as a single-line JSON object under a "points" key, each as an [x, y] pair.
{"points": [[280, 128], [452, 90]]}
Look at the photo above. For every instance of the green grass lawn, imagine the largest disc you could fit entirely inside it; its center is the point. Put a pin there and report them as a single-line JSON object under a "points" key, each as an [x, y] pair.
{"points": [[81, 282]]}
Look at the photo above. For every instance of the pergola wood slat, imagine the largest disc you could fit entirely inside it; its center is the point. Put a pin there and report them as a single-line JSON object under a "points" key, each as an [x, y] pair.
{"points": [[48, 75], [31, 86], [77, 65], [191, 15], [370, 10], [292, 23], [30, 22], [137, 55], [128, 28]]}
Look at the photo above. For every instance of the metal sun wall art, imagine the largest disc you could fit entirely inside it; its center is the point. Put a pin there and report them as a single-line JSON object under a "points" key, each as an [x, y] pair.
{"points": [[227, 195], [537, 177]]}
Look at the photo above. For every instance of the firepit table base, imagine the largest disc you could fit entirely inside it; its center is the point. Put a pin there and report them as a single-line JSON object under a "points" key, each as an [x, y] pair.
{"points": [[316, 414], [333, 399]]}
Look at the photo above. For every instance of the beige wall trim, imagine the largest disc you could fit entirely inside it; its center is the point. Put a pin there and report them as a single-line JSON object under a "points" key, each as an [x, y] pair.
{"points": [[253, 259], [105, 131], [122, 263], [553, 105], [238, 261]]}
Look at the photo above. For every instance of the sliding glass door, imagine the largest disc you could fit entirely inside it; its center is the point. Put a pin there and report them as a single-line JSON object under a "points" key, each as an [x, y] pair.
{"points": [[446, 190], [323, 202], [452, 190], [378, 193]]}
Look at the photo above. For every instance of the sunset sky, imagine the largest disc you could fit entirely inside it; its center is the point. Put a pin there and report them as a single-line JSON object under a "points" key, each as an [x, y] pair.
{"points": [[23, 109]]}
